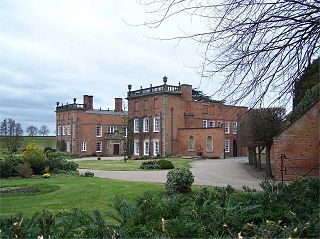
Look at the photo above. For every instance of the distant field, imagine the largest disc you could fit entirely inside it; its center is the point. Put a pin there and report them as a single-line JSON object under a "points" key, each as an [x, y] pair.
{"points": [[42, 141]]}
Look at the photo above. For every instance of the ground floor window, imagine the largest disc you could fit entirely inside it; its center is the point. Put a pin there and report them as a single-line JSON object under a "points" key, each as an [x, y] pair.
{"points": [[156, 147], [99, 147], [83, 146], [68, 146], [209, 144], [191, 143], [136, 147], [227, 145], [146, 147]]}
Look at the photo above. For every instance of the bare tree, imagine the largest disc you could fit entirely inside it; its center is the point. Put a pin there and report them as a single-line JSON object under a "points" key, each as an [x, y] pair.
{"points": [[260, 46], [32, 130], [44, 130], [10, 135]]}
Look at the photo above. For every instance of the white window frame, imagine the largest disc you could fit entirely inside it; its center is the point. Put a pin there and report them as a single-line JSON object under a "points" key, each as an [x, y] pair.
{"points": [[125, 131], [204, 123], [100, 150], [156, 150], [136, 125], [99, 131], [219, 125], [227, 146], [145, 125], [136, 147], [68, 146], [68, 129], [112, 129], [83, 146], [146, 150], [156, 124], [59, 130], [227, 127], [63, 130], [211, 124], [234, 127], [194, 143]]}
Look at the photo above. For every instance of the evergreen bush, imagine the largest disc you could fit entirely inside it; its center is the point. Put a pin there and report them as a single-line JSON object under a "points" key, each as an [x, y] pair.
{"points": [[165, 164], [150, 165], [179, 181], [24, 170]]}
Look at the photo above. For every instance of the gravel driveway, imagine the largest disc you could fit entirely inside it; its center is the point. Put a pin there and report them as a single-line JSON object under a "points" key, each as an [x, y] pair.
{"points": [[219, 172]]}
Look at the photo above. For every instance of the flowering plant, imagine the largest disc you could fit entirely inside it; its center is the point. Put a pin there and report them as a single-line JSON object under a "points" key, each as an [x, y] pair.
{"points": [[46, 175]]}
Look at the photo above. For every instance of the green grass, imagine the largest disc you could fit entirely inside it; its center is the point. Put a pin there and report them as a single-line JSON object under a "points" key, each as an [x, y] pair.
{"points": [[130, 165], [42, 141], [64, 193]]}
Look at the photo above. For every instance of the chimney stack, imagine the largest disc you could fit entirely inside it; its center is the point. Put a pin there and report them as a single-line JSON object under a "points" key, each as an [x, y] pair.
{"points": [[118, 104], [88, 102]]}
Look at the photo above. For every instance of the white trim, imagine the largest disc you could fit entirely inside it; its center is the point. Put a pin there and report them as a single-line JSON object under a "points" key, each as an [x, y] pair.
{"points": [[146, 147], [205, 123], [227, 127], [211, 124], [156, 124], [234, 127], [83, 146], [145, 125], [136, 147], [68, 129], [68, 146], [99, 130], [227, 146], [59, 130], [219, 125], [156, 150], [136, 126], [99, 151]]}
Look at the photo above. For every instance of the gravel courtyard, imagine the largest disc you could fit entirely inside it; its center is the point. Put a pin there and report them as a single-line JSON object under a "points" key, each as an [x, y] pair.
{"points": [[219, 172]]}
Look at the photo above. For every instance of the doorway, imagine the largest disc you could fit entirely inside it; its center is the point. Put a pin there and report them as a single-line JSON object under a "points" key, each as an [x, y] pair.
{"points": [[235, 148], [116, 149]]}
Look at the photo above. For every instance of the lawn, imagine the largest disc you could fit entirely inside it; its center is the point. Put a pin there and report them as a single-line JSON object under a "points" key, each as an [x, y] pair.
{"points": [[130, 165], [42, 141], [69, 192]]}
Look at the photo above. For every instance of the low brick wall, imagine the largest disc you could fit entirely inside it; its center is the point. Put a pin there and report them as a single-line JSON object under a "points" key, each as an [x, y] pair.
{"points": [[300, 143]]}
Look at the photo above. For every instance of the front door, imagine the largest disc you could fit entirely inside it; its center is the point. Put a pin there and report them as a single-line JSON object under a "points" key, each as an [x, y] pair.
{"points": [[116, 149], [235, 148]]}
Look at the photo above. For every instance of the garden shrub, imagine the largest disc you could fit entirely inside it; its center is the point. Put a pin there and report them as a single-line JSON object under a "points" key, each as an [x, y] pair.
{"points": [[165, 164], [56, 162], [24, 170], [150, 165], [35, 156], [88, 174], [8, 166], [179, 181]]}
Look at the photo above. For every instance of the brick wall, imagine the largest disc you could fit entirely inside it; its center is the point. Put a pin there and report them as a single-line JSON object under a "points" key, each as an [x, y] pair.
{"points": [[300, 143]]}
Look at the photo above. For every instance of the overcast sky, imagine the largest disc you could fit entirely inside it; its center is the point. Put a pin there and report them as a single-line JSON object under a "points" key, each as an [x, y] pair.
{"points": [[55, 50]]}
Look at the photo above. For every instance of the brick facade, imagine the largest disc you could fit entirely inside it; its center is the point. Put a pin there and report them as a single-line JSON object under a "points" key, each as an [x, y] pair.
{"points": [[178, 118], [300, 144], [82, 130]]}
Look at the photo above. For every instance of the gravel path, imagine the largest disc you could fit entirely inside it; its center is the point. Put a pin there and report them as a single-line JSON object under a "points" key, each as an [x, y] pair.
{"points": [[219, 172]]}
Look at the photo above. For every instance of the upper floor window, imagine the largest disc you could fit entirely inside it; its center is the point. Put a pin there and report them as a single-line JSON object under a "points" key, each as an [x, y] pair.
{"points": [[191, 143], [136, 126], [59, 130], [204, 123], [136, 147], [68, 129], [124, 131], [209, 144], [145, 125], [227, 127], [83, 146], [98, 147], [211, 124], [227, 145], [112, 129], [219, 124], [99, 130], [63, 129], [156, 124], [234, 127]]}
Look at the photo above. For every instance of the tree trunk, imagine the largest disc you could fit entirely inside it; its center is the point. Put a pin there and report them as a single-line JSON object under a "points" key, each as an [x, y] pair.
{"points": [[268, 163], [260, 148], [252, 156]]}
